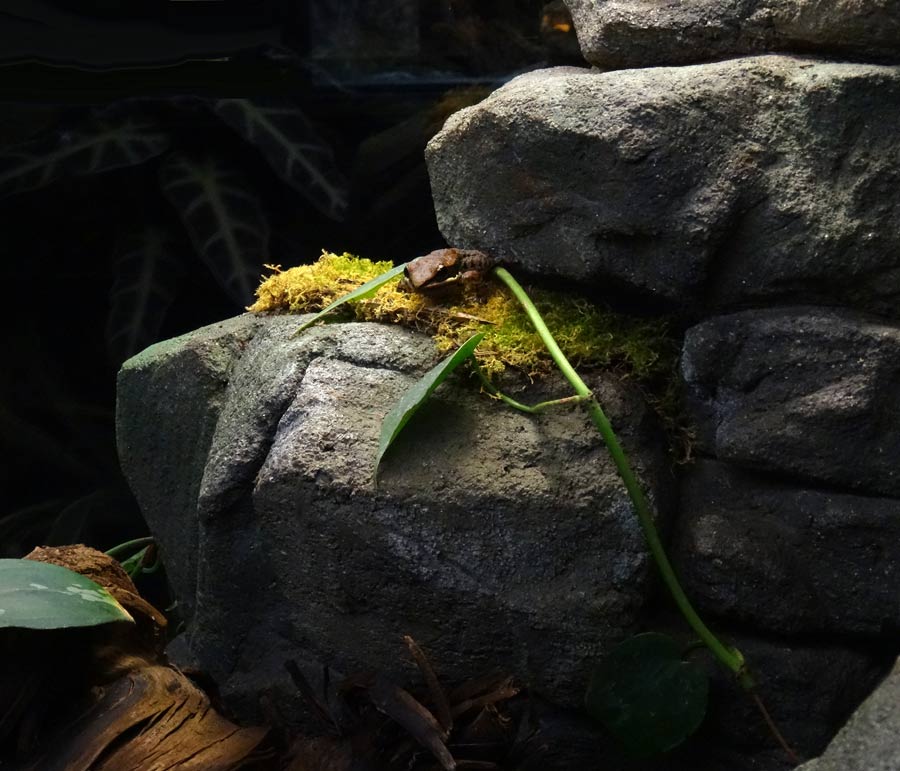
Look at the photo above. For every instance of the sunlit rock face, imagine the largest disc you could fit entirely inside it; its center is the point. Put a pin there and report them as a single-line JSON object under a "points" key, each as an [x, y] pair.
{"points": [[762, 179], [496, 539], [649, 33]]}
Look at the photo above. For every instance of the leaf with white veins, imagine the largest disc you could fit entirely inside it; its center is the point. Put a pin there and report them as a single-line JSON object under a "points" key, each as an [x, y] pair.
{"points": [[37, 595], [104, 142], [292, 148], [224, 218], [148, 271]]}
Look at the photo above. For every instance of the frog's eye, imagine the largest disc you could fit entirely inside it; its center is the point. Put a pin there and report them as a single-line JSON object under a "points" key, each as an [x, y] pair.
{"points": [[440, 268]]}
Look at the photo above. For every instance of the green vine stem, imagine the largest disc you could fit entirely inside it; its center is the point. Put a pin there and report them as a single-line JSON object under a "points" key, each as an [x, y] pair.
{"points": [[124, 548], [531, 409], [729, 657]]}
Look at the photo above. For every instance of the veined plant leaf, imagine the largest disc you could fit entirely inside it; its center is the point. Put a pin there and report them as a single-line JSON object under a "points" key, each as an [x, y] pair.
{"points": [[416, 396], [292, 148], [647, 696], [38, 595], [105, 142], [224, 218], [147, 272], [360, 293]]}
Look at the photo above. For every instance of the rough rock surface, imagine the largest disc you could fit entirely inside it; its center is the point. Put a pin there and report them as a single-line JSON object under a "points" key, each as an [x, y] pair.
{"points": [[638, 33], [754, 179], [809, 689], [789, 559], [495, 539], [799, 390], [172, 385], [871, 739]]}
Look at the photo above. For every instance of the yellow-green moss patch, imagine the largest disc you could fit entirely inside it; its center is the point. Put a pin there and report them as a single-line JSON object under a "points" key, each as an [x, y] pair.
{"points": [[591, 336]]}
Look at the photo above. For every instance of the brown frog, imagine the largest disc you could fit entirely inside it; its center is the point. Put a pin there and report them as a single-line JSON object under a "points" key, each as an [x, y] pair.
{"points": [[444, 268]]}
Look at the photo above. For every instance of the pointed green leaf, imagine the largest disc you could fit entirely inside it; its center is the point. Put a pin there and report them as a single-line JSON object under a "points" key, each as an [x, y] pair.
{"points": [[647, 696], [38, 595], [224, 217], [292, 148], [109, 140], [148, 272], [133, 564], [360, 293], [416, 396]]}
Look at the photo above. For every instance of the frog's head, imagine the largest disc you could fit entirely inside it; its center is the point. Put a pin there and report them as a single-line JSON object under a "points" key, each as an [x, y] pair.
{"points": [[433, 271]]}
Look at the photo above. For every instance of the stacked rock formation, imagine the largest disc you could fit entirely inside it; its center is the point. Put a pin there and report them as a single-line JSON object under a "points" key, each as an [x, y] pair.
{"points": [[756, 198], [736, 164], [496, 540]]}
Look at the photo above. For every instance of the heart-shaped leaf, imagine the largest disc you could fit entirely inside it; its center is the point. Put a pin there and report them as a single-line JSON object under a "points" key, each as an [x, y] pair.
{"points": [[39, 595], [647, 696], [416, 396]]}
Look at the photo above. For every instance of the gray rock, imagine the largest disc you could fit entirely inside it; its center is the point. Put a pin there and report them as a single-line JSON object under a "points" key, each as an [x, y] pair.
{"points": [[494, 538], [768, 178], [871, 739], [801, 390], [168, 400], [635, 33], [788, 559], [808, 689]]}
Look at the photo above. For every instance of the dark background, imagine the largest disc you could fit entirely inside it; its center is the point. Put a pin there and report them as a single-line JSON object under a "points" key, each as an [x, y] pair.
{"points": [[363, 83]]}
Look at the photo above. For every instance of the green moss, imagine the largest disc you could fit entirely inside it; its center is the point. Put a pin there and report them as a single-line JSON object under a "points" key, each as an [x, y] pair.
{"points": [[311, 287], [592, 337]]}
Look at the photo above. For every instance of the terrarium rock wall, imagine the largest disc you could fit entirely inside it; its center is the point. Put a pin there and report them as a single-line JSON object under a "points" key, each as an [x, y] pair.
{"points": [[753, 181], [870, 740], [638, 33], [493, 538], [756, 199]]}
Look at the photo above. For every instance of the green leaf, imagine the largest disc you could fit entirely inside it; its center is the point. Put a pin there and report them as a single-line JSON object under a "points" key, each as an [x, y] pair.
{"points": [[360, 293], [224, 217], [38, 595], [107, 141], [647, 696], [292, 148], [415, 397], [134, 563], [147, 272]]}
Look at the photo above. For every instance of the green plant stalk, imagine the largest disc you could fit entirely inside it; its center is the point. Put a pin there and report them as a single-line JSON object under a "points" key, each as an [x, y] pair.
{"points": [[729, 657], [124, 548], [132, 565], [532, 409]]}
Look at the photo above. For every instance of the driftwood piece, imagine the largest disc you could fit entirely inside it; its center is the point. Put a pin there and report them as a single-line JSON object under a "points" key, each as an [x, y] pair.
{"points": [[104, 699]]}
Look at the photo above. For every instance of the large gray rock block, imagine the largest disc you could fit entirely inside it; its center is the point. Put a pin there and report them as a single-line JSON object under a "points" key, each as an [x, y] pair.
{"points": [[761, 179], [168, 401], [495, 539], [871, 739], [638, 33], [788, 559], [805, 391]]}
